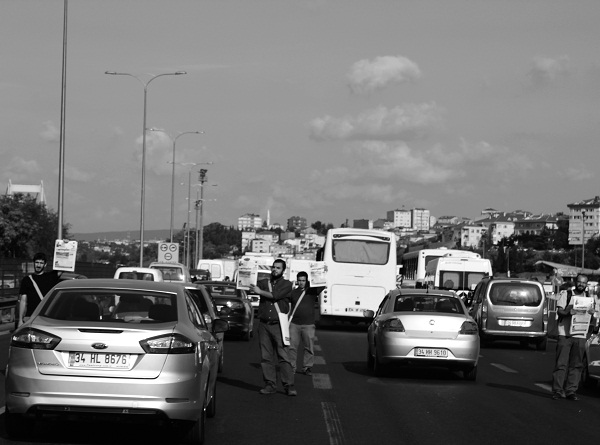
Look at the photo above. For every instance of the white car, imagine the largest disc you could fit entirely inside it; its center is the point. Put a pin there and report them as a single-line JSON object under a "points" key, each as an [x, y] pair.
{"points": [[173, 272]]}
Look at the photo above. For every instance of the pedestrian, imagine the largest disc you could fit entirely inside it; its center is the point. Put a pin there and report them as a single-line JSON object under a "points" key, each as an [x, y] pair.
{"points": [[34, 287], [302, 322], [274, 294], [571, 344]]}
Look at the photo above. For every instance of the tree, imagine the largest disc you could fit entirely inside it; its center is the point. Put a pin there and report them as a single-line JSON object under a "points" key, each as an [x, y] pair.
{"points": [[27, 227]]}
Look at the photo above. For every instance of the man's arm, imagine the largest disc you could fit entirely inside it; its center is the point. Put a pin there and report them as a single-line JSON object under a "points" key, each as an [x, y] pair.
{"points": [[22, 307]]}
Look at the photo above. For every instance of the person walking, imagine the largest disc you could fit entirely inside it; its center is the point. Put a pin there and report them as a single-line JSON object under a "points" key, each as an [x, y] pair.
{"points": [[34, 287], [274, 294], [571, 343], [302, 322]]}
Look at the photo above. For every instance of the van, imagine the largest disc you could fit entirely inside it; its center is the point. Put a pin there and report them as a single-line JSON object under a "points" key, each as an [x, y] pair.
{"points": [[511, 309], [138, 273], [173, 272]]}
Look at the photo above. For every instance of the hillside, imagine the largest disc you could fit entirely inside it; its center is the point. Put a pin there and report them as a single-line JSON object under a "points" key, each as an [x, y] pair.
{"points": [[149, 235]]}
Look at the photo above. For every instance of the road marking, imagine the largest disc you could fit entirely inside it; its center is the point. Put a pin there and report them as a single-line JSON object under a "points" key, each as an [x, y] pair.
{"points": [[544, 386], [503, 368], [333, 423], [321, 381]]}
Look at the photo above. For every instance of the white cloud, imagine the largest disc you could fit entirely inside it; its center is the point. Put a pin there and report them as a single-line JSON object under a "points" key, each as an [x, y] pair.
{"points": [[546, 69], [580, 173], [366, 76], [406, 122], [50, 133], [19, 168]]}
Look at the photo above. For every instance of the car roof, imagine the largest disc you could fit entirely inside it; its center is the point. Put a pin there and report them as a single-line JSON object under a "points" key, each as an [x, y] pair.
{"points": [[112, 283], [423, 292], [157, 263]]}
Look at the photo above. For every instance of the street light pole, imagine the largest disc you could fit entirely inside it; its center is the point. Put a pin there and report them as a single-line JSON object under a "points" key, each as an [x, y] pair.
{"points": [[174, 141], [200, 232], [582, 240], [143, 192]]}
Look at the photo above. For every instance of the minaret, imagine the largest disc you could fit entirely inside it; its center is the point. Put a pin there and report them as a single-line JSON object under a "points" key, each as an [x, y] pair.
{"points": [[268, 219]]}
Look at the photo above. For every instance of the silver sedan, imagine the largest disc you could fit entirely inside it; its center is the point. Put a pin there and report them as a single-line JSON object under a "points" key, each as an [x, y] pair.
{"points": [[422, 327], [128, 348]]}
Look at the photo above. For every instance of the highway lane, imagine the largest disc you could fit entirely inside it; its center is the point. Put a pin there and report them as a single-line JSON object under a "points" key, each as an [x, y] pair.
{"points": [[344, 404]]}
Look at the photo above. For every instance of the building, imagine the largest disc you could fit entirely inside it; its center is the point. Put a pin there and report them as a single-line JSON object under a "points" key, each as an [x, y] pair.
{"points": [[400, 218], [268, 236], [467, 235], [536, 224], [420, 219], [583, 217], [296, 223], [249, 221], [362, 224]]}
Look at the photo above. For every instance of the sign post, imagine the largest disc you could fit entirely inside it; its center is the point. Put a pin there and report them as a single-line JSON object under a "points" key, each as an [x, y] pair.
{"points": [[168, 252]]}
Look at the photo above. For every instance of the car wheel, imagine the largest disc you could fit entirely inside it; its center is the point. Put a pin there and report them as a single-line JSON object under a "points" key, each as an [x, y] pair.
{"points": [[370, 360], [17, 426], [211, 409], [195, 433], [379, 368], [541, 345], [586, 380], [470, 374]]}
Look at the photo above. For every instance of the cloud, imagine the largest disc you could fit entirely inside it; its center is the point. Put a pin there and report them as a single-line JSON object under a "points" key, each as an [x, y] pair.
{"points": [[575, 173], [406, 122], [546, 70], [50, 133], [77, 175], [366, 76], [18, 168]]}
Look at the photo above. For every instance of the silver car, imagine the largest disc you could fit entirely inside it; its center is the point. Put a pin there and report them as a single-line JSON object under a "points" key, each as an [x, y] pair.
{"points": [[421, 327], [129, 348]]}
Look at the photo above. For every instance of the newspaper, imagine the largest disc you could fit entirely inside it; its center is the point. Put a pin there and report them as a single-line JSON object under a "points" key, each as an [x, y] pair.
{"points": [[580, 319], [247, 273], [65, 254]]}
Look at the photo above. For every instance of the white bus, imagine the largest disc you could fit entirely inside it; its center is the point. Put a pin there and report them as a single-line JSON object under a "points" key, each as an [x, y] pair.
{"points": [[455, 273], [361, 269], [414, 263]]}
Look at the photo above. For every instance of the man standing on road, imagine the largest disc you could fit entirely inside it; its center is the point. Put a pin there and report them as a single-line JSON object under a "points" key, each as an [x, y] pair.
{"points": [[571, 345], [302, 322], [34, 287], [274, 291]]}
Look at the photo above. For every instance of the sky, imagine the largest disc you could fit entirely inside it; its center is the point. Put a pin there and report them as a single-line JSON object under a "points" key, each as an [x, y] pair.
{"points": [[331, 110]]}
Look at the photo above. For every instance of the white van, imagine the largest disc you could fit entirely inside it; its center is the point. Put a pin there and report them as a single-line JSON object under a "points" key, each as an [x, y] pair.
{"points": [[221, 269], [138, 273]]}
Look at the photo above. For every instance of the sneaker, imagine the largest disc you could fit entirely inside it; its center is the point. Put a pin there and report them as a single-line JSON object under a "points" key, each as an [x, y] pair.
{"points": [[307, 371], [557, 396], [291, 391], [269, 389], [572, 397]]}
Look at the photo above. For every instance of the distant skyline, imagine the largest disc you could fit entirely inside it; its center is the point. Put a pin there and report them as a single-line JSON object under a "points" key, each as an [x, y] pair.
{"points": [[330, 110]]}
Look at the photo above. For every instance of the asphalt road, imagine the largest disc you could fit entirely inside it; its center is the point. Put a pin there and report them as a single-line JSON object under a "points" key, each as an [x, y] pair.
{"points": [[344, 404]]}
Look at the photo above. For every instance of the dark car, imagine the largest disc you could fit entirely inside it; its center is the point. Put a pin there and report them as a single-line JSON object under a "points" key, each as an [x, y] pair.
{"points": [[232, 305]]}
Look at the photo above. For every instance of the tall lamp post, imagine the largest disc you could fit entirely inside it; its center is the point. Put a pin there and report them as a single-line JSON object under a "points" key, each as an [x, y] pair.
{"points": [[174, 141], [199, 226], [143, 192], [582, 240]]}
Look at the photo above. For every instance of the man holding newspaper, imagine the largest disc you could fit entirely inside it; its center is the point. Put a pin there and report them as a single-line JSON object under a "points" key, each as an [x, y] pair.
{"points": [[574, 310], [274, 300]]}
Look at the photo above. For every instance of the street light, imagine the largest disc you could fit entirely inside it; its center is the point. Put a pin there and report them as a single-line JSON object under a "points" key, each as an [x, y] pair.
{"points": [[200, 206], [143, 192], [174, 141], [582, 240]]}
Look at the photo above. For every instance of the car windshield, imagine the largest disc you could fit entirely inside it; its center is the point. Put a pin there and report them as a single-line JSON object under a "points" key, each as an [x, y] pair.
{"points": [[515, 294], [427, 303], [103, 305]]}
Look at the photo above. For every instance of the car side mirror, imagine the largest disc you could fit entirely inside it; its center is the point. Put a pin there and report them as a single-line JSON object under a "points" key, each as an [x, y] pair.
{"points": [[220, 326], [369, 314]]}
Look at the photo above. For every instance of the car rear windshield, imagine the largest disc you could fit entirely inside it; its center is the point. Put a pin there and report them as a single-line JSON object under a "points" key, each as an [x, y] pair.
{"points": [[171, 273], [428, 303], [103, 305], [136, 276], [515, 294], [225, 291]]}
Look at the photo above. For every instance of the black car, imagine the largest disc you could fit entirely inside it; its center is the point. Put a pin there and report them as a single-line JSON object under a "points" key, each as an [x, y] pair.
{"points": [[232, 305]]}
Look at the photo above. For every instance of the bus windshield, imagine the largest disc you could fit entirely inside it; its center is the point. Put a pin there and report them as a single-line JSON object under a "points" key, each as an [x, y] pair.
{"points": [[360, 251]]}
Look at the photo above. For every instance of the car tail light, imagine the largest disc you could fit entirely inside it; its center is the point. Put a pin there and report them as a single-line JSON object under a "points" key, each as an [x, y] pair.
{"points": [[468, 328], [168, 344], [484, 313], [393, 325], [34, 339]]}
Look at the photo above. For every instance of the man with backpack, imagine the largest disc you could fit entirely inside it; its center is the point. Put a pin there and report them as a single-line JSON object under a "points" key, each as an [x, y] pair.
{"points": [[571, 342]]}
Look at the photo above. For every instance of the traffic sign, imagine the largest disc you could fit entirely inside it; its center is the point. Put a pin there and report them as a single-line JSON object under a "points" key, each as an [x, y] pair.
{"points": [[168, 252]]}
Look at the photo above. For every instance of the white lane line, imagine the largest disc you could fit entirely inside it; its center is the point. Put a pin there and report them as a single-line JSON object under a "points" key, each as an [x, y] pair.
{"points": [[503, 368], [321, 381], [332, 421], [544, 386]]}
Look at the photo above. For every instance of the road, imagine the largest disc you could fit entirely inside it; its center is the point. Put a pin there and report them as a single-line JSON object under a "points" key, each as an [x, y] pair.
{"points": [[344, 404]]}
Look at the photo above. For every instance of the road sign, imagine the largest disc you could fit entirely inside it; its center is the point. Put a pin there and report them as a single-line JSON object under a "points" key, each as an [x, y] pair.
{"points": [[168, 253]]}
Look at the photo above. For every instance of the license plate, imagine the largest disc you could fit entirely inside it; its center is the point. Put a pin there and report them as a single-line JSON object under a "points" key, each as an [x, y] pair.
{"points": [[520, 323], [431, 352], [100, 360]]}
